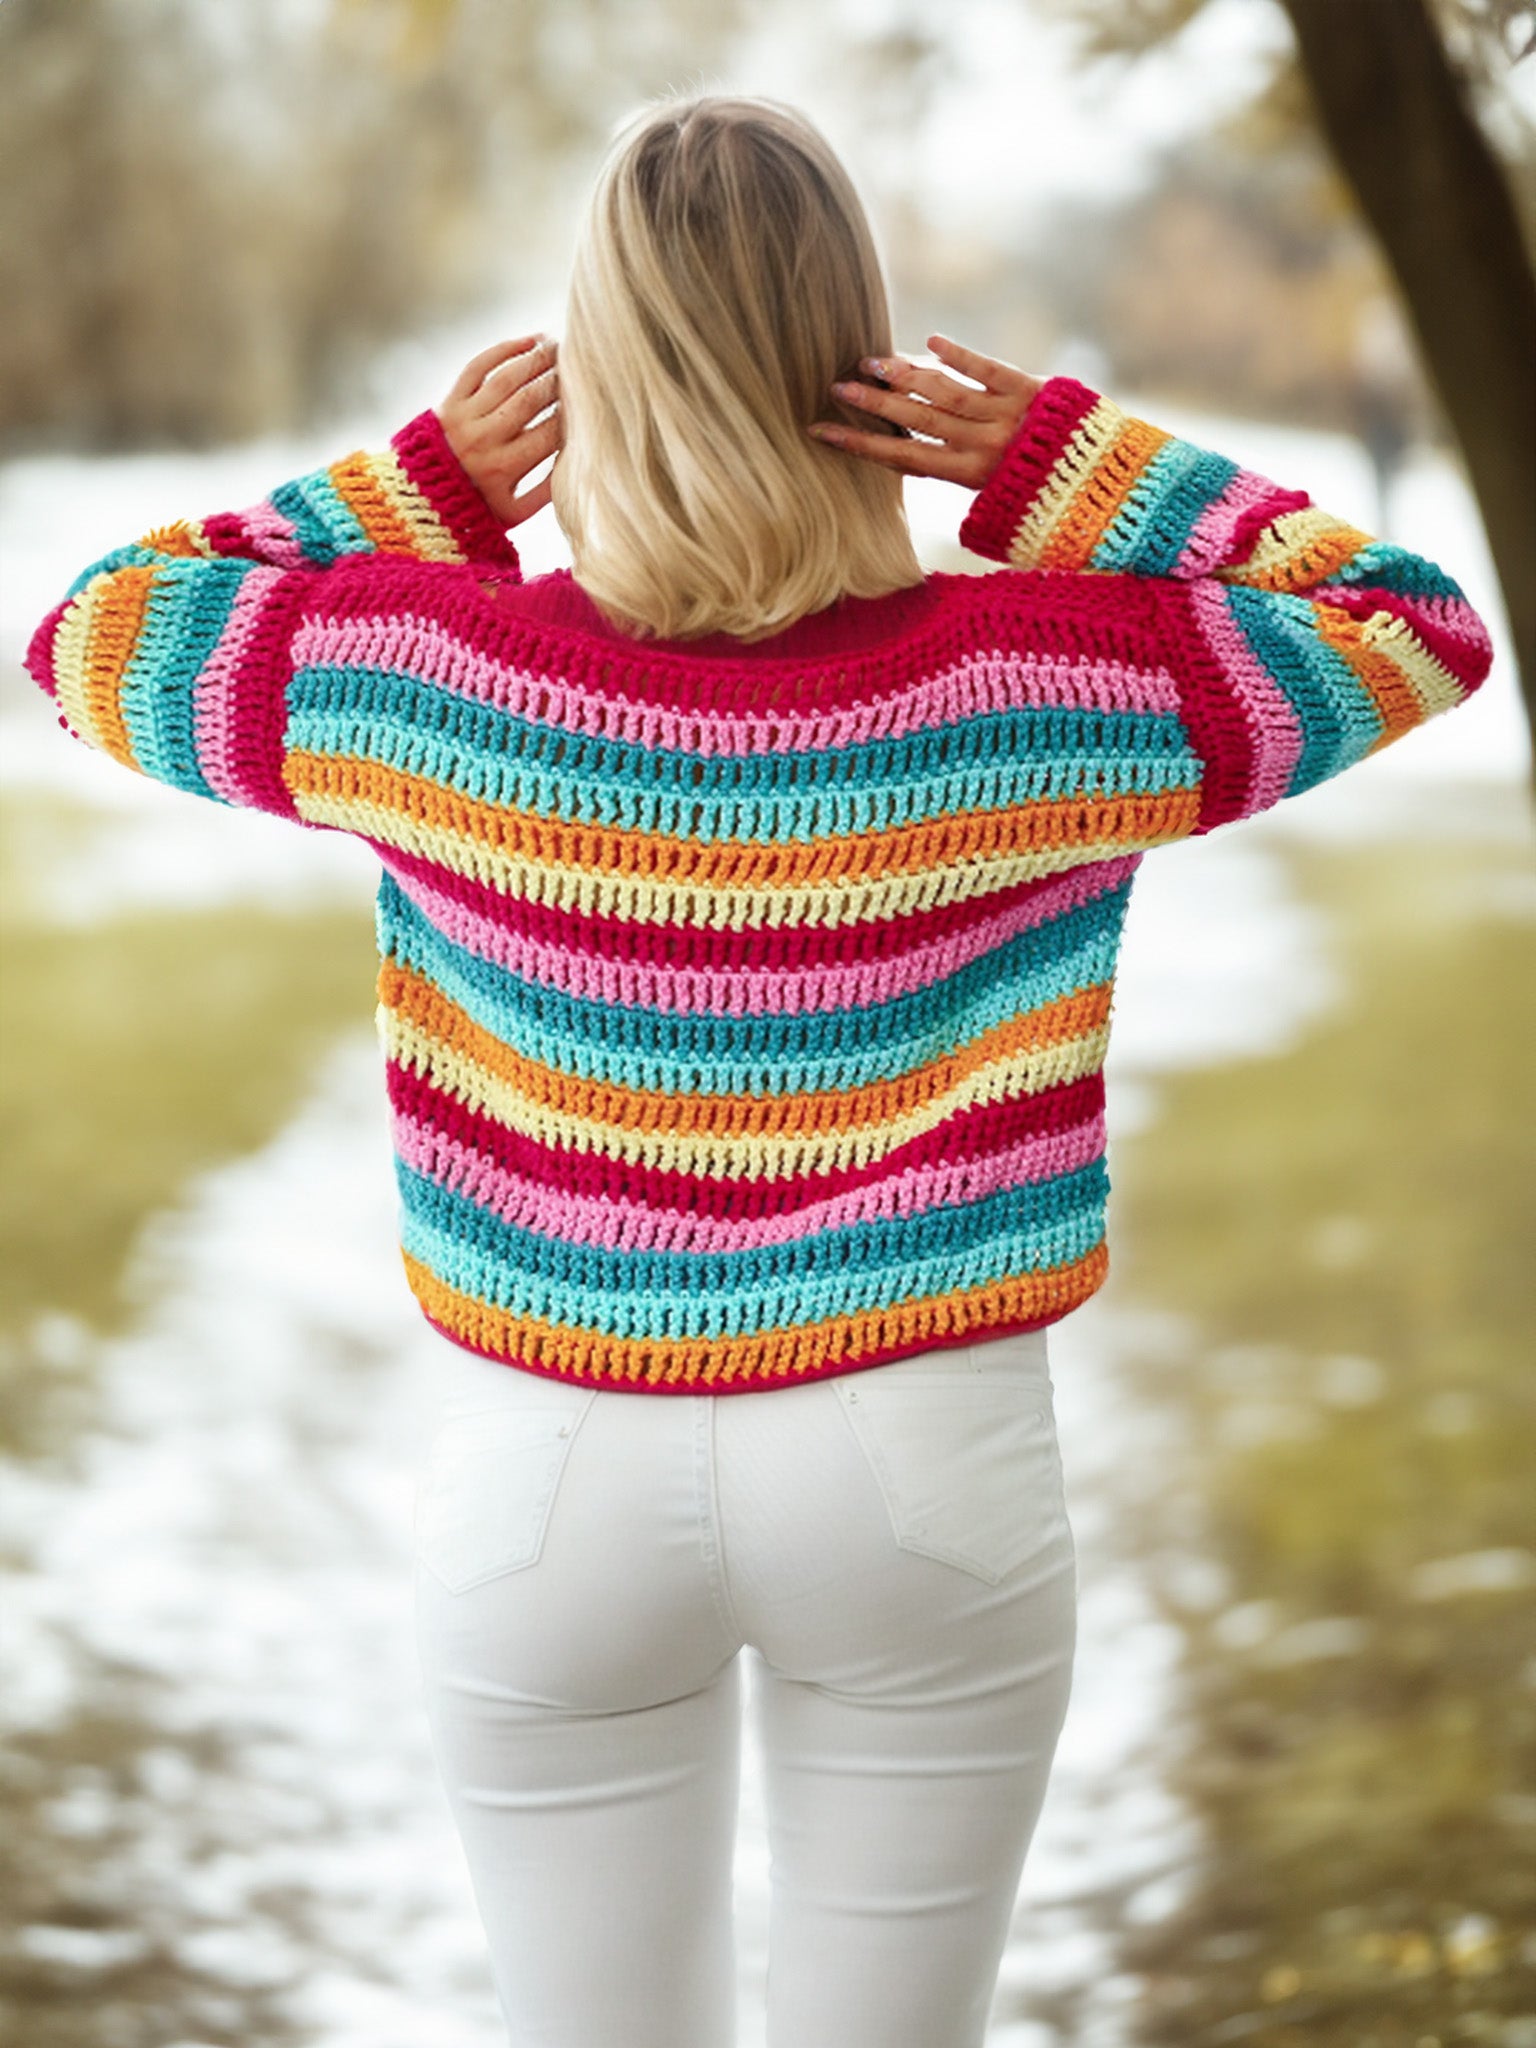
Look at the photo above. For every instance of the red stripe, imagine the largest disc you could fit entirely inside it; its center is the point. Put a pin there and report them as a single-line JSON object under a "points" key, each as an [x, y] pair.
{"points": [[1463, 656], [815, 681], [784, 948], [972, 1134], [1216, 722], [1055, 413], [258, 710]]}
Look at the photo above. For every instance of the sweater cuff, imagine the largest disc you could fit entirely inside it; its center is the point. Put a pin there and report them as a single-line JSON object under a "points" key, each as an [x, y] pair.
{"points": [[427, 459], [1010, 518]]}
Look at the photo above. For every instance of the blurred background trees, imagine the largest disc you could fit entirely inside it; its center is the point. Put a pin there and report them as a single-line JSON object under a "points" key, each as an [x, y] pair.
{"points": [[212, 218], [1369, 223]]}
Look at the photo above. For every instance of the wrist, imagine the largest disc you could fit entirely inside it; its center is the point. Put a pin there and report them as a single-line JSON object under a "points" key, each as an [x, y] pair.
{"points": [[435, 466], [992, 525]]}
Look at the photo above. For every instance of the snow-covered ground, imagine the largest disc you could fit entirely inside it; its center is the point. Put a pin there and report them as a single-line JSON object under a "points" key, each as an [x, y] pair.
{"points": [[234, 1531]]}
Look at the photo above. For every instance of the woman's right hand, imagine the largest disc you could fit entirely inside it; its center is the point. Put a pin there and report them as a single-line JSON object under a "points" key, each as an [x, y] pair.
{"points": [[966, 430], [488, 421]]}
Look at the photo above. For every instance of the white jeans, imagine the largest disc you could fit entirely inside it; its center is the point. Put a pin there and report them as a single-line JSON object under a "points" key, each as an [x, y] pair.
{"points": [[892, 1547]]}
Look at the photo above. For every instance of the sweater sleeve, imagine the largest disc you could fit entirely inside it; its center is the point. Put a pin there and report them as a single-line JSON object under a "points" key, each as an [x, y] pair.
{"points": [[173, 654], [1297, 644]]}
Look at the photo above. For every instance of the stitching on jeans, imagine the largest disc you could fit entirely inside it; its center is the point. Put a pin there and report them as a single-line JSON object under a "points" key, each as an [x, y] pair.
{"points": [[712, 1537]]}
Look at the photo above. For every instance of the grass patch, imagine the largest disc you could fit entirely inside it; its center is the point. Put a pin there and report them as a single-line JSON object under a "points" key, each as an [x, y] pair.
{"points": [[1350, 1228], [136, 1054]]}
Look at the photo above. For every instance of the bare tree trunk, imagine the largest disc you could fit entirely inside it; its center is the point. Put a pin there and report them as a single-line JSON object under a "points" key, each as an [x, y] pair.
{"points": [[1429, 184]]}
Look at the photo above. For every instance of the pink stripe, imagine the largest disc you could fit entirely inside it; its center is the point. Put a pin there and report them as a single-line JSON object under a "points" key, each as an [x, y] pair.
{"points": [[261, 534], [1210, 539], [1273, 724], [1445, 627], [213, 701], [997, 682], [637, 1227], [778, 991]]}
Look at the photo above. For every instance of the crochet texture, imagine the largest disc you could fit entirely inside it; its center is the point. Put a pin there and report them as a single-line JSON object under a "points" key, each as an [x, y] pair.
{"points": [[744, 1007]]}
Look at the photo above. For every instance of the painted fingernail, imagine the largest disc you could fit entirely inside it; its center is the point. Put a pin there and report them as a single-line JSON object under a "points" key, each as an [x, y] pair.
{"points": [[878, 366], [824, 432], [847, 390]]}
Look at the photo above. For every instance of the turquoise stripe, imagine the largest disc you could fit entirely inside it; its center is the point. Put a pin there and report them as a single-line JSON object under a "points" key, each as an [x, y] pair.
{"points": [[324, 525], [1149, 532], [1384, 566], [736, 1294], [185, 612], [1339, 719], [988, 763], [761, 1054], [134, 556]]}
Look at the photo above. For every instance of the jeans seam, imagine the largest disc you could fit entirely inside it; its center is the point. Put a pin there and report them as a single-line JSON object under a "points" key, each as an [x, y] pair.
{"points": [[711, 1535]]}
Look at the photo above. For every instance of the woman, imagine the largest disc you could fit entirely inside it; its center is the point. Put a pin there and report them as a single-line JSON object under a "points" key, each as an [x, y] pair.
{"points": [[748, 925]]}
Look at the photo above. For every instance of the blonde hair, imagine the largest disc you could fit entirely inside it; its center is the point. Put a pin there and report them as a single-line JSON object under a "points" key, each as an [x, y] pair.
{"points": [[725, 273]]}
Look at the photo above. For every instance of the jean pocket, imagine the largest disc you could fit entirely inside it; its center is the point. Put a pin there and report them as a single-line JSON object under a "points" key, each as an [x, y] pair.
{"points": [[969, 1467], [488, 1489]]}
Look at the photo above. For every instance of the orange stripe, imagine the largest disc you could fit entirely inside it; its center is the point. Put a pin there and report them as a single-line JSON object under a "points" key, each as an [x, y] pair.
{"points": [[357, 484], [1389, 689], [658, 1114], [1092, 511], [776, 1355], [742, 864], [117, 615], [179, 538], [1322, 557]]}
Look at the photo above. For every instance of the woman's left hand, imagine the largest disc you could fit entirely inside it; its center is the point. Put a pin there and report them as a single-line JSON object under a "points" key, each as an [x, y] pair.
{"points": [[966, 430], [486, 416]]}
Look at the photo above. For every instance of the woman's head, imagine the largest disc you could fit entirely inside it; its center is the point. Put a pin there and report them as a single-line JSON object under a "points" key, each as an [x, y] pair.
{"points": [[724, 275]]}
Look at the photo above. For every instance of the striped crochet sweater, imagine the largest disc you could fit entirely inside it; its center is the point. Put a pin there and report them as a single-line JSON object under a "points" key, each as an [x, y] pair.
{"points": [[744, 1007]]}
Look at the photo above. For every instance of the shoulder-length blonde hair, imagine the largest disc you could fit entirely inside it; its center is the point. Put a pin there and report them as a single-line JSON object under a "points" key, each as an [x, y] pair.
{"points": [[725, 273]]}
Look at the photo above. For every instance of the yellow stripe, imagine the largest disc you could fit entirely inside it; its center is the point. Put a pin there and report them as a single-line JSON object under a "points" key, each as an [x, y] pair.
{"points": [[432, 540], [1093, 437], [594, 883], [1435, 686], [1297, 550], [778, 1356], [71, 637], [1026, 1071]]}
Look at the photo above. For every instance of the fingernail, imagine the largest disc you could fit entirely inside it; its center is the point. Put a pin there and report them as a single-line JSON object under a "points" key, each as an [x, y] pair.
{"points": [[824, 432], [878, 366]]}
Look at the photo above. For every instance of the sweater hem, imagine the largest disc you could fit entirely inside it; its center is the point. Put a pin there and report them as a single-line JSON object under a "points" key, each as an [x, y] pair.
{"points": [[838, 1368]]}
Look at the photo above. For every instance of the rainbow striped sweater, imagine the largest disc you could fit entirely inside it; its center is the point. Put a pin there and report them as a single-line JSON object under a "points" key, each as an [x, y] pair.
{"points": [[744, 1007]]}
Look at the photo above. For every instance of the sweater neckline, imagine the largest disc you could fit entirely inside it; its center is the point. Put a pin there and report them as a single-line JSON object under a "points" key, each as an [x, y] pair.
{"points": [[852, 625]]}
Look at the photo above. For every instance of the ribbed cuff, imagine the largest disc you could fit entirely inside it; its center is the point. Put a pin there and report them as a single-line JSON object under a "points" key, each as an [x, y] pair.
{"points": [[1004, 500], [437, 472]]}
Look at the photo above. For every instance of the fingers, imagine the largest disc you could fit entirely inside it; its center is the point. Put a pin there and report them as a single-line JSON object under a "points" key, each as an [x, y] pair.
{"points": [[962, 400], [511, 375], [913, 458], [479, 367], [997, 376], [523, 402], [921, 415], [507, 462]]}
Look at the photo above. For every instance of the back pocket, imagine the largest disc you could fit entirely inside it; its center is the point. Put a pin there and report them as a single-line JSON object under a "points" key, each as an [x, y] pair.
{"points": [[488, 1489], [969, 1468]]}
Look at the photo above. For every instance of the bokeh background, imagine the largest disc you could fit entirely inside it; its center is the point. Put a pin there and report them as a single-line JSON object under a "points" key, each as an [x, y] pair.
{"points": [[1294, 1802]]}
